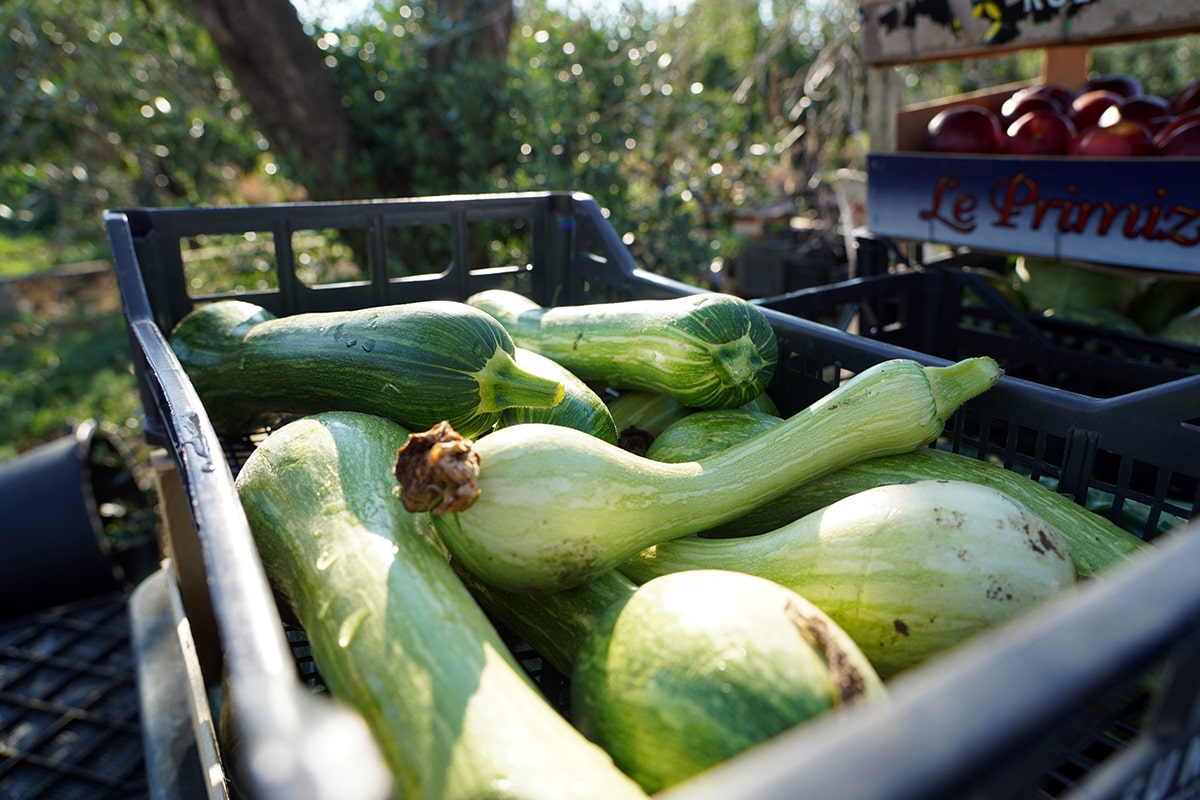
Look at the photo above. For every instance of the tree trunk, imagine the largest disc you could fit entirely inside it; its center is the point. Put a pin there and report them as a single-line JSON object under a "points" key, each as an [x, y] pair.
{"points": [[281, 73], [472, 29], [279, 70]]}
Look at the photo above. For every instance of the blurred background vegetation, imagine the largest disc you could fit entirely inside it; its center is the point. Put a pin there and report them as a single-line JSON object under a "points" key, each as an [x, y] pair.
{"points": [[679, 118]]}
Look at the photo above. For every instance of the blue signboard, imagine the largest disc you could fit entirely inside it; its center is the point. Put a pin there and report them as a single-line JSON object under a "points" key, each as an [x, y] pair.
{"points": [[1135, 212]]}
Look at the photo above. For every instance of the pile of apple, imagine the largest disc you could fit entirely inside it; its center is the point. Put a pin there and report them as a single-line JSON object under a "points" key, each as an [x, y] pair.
{"points": [[1108, 116]]}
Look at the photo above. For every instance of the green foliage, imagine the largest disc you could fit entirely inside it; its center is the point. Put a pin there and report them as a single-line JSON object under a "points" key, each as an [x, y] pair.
{"points": [[1162, 65], [675, 123], [58, 372], [111, 104], [437, 125]]}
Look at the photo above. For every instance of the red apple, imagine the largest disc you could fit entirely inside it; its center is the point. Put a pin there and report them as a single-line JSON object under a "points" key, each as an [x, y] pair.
{"points": [[1088, 107], [1124, 85], [964, 129], [1187, 118], [1149, 109], [1025, 100], [1187, 98], [1122, 138], [1040, 133], [1059, 93], [1182, 142]]}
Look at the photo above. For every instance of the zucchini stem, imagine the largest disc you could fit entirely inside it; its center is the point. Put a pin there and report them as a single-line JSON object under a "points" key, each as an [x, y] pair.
{"points": [[957, 383], [503, 384]]}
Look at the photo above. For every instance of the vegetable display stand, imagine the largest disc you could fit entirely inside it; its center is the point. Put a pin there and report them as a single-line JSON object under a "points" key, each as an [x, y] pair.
{"points": [[1137, 212], [1094, 693]]}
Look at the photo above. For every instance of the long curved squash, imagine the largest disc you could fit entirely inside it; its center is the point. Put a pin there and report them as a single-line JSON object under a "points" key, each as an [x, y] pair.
{"points": [[414, 363], [395, 633], [705, 350], [909, 570], [1096, 543], [541, 507]]}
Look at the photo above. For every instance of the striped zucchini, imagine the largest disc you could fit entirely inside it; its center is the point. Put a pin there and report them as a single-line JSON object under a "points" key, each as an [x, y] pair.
{"points": [[541, 507], [909, 570], [415, 363], [705, 350], [712, 431], [641, 416], [689, 669], [647, 411], [393, 630], [581, 408], [1095, 542]]}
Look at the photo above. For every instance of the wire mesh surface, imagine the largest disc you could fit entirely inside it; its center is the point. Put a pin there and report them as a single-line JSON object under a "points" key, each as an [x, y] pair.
{"points": [[69, 724]]}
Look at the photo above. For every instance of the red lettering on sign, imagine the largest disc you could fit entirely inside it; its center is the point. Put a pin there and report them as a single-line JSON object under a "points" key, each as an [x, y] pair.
{"points": [[1020, 203], [1011, 196], [962, 207], [1179, 232]]}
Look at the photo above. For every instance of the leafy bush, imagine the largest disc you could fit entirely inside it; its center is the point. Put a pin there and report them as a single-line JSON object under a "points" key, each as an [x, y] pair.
{"points": [[111, 104]]}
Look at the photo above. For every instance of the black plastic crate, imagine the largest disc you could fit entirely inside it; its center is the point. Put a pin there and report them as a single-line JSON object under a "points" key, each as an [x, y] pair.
{"points": [[953, 312], [1054, 703], [69, 725]]}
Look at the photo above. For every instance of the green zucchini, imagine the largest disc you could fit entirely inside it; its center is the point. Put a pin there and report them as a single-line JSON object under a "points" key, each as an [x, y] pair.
{"points": [[649, 411], [908, 570], [1096, 543], [713, 431], [393, 630], [581, 408], [541, 507], [415, 363], [641, 415], [691, 668], [705, 350], [552, 623]]}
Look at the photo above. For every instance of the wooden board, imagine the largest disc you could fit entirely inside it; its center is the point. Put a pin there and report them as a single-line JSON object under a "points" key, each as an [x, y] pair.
{"points": [[905, 31]]}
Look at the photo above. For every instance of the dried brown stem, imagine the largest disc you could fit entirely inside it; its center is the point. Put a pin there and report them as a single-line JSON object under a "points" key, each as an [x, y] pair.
{"points": [[437, 470]]}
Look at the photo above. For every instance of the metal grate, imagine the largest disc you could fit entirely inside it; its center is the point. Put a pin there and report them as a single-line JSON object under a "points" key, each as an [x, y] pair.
{"points": [[69, 724]]}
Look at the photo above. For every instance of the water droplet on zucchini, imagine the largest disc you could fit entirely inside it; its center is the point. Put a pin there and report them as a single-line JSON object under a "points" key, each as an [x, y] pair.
{"points": [[350, 626]]}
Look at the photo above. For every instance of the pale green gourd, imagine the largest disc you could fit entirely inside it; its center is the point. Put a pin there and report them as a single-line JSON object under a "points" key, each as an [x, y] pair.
{"points": [[1096, 542], [690, 669], [908, 570], [551, 508], [394, 632]]}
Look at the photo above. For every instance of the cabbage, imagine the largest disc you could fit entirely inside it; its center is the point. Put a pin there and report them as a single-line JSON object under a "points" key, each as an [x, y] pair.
{"points": [[1163, 300], [1184, 328], [1058, 288]]}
